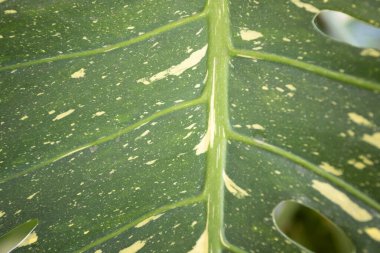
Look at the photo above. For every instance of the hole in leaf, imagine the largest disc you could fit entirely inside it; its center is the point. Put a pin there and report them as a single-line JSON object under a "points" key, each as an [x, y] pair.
{"points": [[309, 229], [16, 236], [344, 28]]}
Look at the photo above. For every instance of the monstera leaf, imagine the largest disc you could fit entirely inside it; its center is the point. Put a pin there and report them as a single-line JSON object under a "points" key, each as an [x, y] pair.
{"points": [[179, 126]]}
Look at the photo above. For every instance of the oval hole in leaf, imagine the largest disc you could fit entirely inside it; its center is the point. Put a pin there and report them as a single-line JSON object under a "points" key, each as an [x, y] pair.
{"points": [[309, 229], [344, 28], [16, 236]]}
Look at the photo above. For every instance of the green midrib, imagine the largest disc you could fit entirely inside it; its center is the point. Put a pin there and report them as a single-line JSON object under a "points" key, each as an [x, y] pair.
{"points": [[218, 123]]}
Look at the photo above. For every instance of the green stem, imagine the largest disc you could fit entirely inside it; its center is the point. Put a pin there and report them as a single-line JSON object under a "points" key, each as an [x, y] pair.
{"points": [[218, 123]]}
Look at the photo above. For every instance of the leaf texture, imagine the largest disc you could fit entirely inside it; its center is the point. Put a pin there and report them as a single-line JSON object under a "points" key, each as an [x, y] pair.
{"points": [[178, 126]]}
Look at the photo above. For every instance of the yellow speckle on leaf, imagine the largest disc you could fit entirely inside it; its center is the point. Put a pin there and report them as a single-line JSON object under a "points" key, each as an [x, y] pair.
{"points": [[2, 214], [32, 238], [350, 133], [331, 169], [307, 7], [7, 12], [372, 139], [79, 74], [146, 221], [360, 120], [366, 160], [370, 52], [151, 162], [132, 158], [24, 117], [177, 70], [255, 126], [97, 114], [201, 246], [356, 164], [233, 188], [290, 87], [374, 233], [32, 196], [248, 35], [280, 89], [135, 247], [64, 114], [342, 200], [202, 146]]}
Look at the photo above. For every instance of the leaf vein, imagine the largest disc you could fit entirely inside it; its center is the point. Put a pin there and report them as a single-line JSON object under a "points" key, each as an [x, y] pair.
{"points": [[182, 203], [107, 138], [306, 164], [349, 79], [108, 48]]}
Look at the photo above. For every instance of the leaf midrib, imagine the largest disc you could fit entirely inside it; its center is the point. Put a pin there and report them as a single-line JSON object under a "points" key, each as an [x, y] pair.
{"points": [[218, 122]]}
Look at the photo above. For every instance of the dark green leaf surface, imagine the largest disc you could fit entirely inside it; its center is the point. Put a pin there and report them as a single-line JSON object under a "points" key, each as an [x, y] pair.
{"points": [[177, 126]]}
